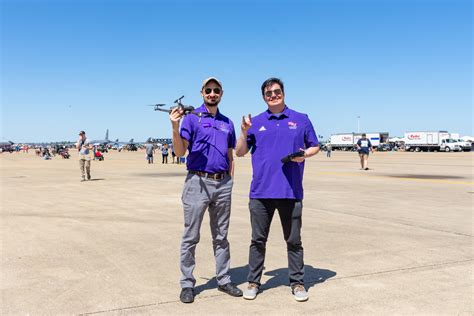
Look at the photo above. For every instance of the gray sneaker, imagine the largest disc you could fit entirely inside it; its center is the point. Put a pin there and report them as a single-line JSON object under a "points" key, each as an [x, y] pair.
{"points": [[299, 293], [250, 293]]}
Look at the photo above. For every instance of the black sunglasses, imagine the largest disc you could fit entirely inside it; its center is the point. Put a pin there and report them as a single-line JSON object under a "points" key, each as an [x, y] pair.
{"points": [[209, 90], [269, 93]]}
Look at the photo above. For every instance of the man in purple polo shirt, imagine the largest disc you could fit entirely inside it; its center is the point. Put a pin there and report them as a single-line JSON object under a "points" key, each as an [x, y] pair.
{"points": [[209, 138], [276, 185]]}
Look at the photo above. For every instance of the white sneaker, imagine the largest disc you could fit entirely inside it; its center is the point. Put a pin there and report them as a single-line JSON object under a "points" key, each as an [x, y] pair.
{"points": [[299, 293], [250, 293]]}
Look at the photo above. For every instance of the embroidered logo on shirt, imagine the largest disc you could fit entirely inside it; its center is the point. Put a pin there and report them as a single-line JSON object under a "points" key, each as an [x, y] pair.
{"points": [[292, 125], [224, 128], [262, 129]]}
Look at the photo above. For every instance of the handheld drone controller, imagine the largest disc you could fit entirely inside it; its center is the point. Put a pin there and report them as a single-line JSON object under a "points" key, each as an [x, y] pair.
{"points": [[291, 156]]}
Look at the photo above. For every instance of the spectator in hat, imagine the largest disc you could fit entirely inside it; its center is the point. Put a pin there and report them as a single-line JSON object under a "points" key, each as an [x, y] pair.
{"points": [[83, 147], [209, 137]]}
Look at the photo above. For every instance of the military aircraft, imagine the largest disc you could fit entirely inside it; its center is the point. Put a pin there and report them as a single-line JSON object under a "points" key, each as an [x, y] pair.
{"points": [[103, 142], [7, 146], [131, 146]]}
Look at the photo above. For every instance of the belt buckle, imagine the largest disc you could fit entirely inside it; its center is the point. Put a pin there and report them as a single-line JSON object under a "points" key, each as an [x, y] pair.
{"points": [[213, 176]]}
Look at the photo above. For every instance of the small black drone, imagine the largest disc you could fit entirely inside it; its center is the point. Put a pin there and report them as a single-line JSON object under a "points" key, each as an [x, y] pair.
{"points": [[187, 109]]}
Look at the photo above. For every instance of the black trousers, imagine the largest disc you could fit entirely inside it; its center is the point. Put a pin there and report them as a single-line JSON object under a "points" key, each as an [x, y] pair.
{"points": [[261, 215]]}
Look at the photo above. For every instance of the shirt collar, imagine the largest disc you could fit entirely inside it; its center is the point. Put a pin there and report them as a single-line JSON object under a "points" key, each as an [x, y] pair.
{"points": [[203, 109], [283, 114]]}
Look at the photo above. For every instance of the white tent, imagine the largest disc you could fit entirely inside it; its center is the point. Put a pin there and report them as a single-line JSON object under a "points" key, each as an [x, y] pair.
{"points": [[396, 139], [468, 138]]}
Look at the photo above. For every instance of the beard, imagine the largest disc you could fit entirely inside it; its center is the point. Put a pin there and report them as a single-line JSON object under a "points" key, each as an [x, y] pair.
{"points": [[211, 104]]}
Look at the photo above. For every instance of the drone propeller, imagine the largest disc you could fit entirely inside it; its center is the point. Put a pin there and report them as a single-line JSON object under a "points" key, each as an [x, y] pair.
{"points": [[178, 100], [187, 109], [159, 104]]}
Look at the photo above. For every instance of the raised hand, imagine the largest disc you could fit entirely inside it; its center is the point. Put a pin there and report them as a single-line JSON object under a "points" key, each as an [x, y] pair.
{"points": [[176, 115], [246, 123]]}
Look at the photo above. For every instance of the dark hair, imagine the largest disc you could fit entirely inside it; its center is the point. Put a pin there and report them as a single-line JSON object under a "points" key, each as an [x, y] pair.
{"points": [[269, 82], [363, 135]]}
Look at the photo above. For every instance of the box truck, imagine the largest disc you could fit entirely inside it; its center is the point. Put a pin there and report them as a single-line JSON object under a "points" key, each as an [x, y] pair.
{"points": [[347, 141], [430, 141]]}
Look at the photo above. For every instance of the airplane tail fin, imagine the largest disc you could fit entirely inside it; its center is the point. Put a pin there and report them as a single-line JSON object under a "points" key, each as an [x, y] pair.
{"points": [[107, 135]]}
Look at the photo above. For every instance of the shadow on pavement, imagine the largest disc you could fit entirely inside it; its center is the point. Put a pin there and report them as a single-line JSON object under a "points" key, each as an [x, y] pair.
{"points": [[238, 276], [279, 277], [312, 276]]}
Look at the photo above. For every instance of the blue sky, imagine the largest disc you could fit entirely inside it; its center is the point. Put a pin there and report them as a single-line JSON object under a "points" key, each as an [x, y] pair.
{"points": [[91, 65]]}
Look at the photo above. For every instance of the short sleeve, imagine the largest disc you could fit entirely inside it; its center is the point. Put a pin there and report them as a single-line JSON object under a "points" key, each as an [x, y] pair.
{"points": [[251, 139], [186, 131], [232, 139], [310, 138]]}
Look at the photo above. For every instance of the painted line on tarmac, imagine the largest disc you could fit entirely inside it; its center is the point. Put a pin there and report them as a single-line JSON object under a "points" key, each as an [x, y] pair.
{"points": [[438, 181], [432, 266]]}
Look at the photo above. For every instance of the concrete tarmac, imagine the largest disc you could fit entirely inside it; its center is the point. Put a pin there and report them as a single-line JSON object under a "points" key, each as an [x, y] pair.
{"points": [[397, 239]]}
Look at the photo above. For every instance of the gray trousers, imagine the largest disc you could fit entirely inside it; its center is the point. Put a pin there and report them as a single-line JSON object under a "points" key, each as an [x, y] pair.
{"points": [[199, 194]]}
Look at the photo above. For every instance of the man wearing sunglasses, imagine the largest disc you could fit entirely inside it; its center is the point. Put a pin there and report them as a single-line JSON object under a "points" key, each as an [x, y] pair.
{"points": [[209, 138], [276, 185]]}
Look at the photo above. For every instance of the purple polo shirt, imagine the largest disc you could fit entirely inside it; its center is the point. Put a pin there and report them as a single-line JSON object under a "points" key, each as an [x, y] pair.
{"points": [[209, 138], [271, 138]]}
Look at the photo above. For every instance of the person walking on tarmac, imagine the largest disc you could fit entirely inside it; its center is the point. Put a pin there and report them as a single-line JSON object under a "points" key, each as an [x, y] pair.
{"points": [[209, 138], [363, 147], [164, 153], [150, 150], [328, 150], [83, 147]]}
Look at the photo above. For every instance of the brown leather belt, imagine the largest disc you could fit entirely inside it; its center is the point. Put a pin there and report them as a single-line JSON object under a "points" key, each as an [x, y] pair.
{"points": [[213, 176]]}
